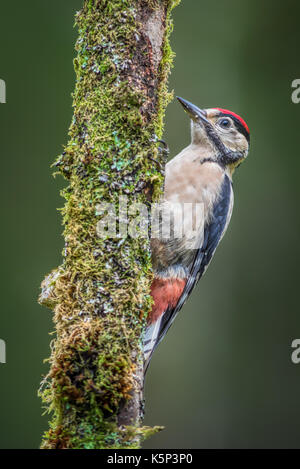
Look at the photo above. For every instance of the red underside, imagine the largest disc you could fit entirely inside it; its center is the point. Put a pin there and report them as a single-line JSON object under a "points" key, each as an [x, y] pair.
{"points": [[166, 293]]}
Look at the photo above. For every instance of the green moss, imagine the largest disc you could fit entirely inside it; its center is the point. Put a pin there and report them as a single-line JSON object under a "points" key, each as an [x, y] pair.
{"points": [[100, 295]]}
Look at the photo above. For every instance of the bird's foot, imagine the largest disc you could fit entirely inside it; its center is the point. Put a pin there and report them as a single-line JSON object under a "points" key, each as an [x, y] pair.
{"points": [[158, 163], [164, 149]]}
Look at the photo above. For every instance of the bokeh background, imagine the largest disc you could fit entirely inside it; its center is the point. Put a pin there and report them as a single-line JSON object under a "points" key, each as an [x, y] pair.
{"points": [[223, 377]]}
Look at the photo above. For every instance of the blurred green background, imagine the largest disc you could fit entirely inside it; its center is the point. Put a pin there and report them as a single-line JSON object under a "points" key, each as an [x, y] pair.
{"points": [[223, 377]]}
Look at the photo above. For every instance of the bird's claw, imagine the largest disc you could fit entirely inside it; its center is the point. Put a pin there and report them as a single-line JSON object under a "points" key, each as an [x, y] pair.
{"points": [[157, 163], [165, 150]]}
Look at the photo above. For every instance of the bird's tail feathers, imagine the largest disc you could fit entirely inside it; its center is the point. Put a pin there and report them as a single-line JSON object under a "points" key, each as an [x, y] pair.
{"points": [[150, 340]]}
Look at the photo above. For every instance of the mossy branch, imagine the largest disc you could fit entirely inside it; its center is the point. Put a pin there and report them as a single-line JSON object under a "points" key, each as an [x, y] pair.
{"points": [[100, 294]]}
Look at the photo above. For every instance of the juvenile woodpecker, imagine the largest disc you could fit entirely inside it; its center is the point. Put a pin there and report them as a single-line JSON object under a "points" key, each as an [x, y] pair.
{"points": [[199, 174]]}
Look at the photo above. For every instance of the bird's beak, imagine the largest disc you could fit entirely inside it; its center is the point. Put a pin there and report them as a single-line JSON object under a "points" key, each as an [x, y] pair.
{"points": [[198, 115], [193, 111]]}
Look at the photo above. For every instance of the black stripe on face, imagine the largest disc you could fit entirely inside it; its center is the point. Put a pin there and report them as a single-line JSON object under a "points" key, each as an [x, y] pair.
{"points": [[238, 125]]}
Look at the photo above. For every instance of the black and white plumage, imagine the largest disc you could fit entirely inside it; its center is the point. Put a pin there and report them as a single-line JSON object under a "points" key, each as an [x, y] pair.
{"points": [[200, 175]]}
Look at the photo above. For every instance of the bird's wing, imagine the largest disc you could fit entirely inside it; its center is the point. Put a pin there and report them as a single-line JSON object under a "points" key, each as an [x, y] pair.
{"points": [[213, 233]]}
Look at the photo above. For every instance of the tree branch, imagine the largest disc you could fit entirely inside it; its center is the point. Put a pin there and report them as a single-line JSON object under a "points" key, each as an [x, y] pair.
{"points": [[100, 294]]}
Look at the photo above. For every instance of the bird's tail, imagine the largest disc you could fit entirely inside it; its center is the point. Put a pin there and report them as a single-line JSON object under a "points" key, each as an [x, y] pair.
{"points": [[150, 341]]}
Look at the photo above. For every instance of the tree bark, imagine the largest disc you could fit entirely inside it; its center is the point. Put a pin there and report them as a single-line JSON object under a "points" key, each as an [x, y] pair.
{"points": [[100, 294]]}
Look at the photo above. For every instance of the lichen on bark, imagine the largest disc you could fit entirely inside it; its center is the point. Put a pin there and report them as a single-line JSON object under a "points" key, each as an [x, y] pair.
{"points": [[100, 293]]}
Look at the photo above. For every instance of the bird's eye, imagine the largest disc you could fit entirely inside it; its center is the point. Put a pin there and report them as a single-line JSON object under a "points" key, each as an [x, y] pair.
{"points": [[225, 123]]}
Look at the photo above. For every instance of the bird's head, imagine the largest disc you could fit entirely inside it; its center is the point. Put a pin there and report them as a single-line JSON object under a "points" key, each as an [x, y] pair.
{"points": [[224, 132]]}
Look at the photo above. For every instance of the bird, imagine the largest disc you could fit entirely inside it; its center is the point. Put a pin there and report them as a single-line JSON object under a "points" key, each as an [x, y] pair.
{"points": [[200, 175]]}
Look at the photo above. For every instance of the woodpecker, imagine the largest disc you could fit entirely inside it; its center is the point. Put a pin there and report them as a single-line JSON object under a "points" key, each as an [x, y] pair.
{"points": [[199, 174]]}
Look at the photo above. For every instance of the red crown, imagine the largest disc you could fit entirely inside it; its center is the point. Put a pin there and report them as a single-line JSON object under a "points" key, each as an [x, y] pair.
{"points": [[225, 111]]}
